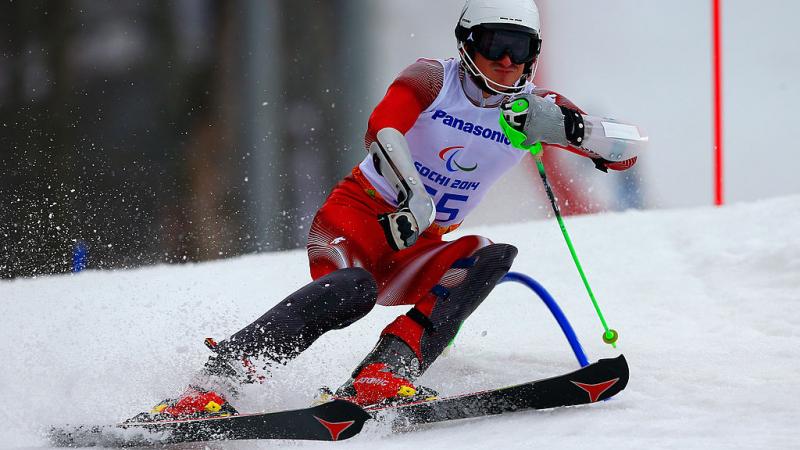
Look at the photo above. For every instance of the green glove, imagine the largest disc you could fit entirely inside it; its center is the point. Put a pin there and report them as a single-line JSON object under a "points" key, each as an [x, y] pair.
{"points": [[512, 121]]}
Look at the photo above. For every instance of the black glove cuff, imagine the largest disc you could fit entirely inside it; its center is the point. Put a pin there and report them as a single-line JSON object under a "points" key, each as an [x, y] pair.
{"points": [[573, 126]]}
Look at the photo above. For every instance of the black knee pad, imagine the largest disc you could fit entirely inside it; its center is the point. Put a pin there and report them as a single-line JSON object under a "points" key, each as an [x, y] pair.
{"points": [[330, 302], [484, 269]]}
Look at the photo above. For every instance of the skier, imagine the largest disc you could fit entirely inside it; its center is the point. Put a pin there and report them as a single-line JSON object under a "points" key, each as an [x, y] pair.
{"points": [[434, 150]]}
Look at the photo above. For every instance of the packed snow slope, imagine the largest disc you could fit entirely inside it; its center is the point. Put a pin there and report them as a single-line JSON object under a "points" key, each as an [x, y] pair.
{"points": [[706, 300]]}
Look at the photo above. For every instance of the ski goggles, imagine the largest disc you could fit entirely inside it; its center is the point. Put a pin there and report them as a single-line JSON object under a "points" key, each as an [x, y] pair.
{"points": [[522, 47]]}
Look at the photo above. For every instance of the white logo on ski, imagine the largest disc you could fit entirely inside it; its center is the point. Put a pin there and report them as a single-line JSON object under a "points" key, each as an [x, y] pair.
{"points": [[370, 380]]}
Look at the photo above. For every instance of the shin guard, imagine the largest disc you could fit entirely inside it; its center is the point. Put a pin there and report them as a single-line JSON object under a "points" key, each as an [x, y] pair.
{"points": [[431, 324], [455, 303]]}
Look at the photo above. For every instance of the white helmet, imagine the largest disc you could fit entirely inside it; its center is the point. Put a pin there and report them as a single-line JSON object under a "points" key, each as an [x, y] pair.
{"points": [[497, 27]]}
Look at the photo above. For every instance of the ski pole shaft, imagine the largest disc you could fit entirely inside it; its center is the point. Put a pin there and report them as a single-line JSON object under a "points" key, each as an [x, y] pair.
{"points": [[610, 335]]}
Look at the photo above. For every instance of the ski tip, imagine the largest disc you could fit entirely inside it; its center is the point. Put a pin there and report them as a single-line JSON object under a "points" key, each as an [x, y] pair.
{"points": [[617, 367], [345, 407], [624, 364], [617, 363]]}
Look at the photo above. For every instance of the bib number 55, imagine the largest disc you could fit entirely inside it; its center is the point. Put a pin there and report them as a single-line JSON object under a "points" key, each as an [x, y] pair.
{"points": [[447, 204]]}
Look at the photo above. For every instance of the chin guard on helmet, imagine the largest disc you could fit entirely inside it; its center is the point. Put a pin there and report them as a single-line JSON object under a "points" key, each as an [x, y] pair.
{"points": [[510, 16]]}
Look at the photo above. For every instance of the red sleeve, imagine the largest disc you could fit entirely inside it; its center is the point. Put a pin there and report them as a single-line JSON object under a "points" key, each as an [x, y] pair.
{"points": [[412, 92], [399, 109], [558, 98]]}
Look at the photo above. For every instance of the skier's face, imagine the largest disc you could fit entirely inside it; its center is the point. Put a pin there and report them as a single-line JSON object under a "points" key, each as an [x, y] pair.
{"points": [[502, 71]]}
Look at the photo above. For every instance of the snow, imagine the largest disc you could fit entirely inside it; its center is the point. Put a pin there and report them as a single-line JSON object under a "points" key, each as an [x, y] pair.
{"points": [[706, 300]]}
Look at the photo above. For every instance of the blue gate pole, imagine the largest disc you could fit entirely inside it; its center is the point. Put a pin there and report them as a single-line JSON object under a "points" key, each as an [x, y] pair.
{"points": [[79, 255], [554, 309]]}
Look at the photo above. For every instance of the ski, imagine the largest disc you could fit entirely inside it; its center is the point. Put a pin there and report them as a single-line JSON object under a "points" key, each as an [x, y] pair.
{"points": [[339, 419], [333, 421], [598, 381]]}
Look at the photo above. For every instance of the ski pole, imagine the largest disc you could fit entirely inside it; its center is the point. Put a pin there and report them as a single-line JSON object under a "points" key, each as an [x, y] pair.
{"points": [[517, 110], [610, 335]]}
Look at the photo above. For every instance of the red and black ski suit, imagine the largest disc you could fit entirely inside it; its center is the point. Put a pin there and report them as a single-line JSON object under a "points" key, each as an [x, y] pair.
{"points": [[346, 232]]}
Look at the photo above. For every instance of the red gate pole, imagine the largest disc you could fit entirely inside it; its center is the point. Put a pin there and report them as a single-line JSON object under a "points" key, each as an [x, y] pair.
{"points": [[718, 186]]}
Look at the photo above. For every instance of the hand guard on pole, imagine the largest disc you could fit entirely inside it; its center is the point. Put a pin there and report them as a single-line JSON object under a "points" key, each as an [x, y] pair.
{"points": [[540, 120], [415, 208], [610, 143]]}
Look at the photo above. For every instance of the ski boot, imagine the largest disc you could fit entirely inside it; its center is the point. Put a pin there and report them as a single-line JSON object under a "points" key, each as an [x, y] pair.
{"points": [[384, 377], [220, 379], [194, 403]]}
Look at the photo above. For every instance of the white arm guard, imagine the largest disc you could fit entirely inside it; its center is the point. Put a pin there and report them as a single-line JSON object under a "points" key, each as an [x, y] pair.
{"points": [[416, 211], [613, 140]]}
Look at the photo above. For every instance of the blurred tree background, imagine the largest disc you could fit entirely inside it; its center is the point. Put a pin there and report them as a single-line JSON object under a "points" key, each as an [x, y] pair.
{"points": [[172, 131]]}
